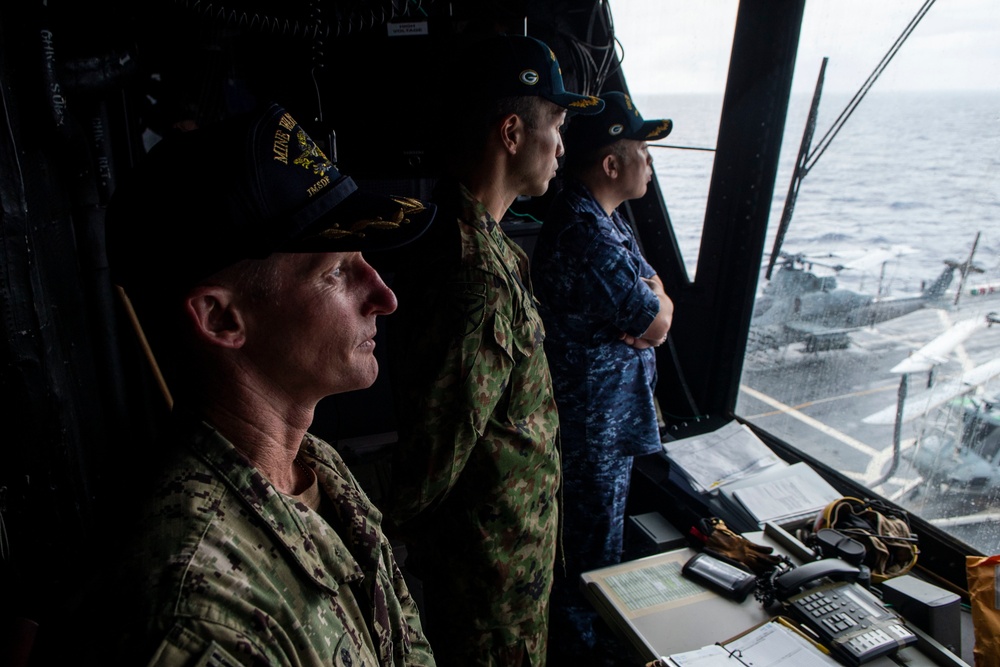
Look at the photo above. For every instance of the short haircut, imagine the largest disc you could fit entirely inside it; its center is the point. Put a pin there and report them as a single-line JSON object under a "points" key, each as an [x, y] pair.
{"points": [[577, 162], [161, 314], [469, 133]]}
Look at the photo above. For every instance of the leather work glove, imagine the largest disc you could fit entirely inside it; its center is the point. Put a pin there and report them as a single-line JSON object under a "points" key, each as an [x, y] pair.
{"points": [[724, 542]]}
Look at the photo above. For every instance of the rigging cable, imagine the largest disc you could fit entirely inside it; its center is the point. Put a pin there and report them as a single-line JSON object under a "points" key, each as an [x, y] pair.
{"points": [[827, 138], [807, 160]]}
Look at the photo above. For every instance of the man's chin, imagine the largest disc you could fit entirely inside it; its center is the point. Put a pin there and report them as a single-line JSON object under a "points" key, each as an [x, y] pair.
{"points": [[538, 190], [360, 378]]}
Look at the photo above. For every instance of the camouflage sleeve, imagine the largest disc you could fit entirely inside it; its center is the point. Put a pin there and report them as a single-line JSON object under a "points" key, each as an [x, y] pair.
{"points": [[420, 654], [210, 645], [614, 276], [467, 361]]}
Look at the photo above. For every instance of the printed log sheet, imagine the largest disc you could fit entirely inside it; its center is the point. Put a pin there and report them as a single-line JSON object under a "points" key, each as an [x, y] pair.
{"points": [[650, 586]]}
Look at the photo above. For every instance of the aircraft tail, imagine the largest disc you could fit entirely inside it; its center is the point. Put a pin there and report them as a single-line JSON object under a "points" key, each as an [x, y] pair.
{"points": [[939, 286]]}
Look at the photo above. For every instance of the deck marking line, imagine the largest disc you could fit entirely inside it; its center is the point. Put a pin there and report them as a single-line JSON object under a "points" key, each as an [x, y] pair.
{"points": [[828, 399], [951, 522], [816, 424]]}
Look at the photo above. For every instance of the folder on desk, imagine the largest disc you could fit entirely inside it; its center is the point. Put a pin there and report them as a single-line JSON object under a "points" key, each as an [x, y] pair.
{"points": [[773, 643], [779, 495]]}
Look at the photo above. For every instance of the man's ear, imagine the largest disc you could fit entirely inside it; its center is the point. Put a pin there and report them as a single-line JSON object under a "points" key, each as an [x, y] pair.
{"points": [[511, 132], [216, 318], [610, 166]]}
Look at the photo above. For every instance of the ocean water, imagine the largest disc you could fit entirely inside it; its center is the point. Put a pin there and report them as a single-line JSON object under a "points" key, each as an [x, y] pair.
{"points": [[912, 175]]}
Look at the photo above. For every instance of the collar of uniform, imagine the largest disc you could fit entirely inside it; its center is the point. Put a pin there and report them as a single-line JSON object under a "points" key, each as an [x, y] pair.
{"points": [[577, 189], [473, 211], [297, 530]]}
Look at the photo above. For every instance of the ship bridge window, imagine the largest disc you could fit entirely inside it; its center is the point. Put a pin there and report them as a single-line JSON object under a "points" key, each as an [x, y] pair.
{"points": [[675, 57], [878, 294], [893, 382]]}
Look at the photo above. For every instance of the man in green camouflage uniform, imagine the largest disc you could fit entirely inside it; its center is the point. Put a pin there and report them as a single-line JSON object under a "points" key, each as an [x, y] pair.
{"points": [[256, 545], [476, 473]]}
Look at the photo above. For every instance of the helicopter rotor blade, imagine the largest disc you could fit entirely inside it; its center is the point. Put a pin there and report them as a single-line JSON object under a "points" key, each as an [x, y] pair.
{"points": [[925, 402], [848, 259], [937, 351], [868, 260]]}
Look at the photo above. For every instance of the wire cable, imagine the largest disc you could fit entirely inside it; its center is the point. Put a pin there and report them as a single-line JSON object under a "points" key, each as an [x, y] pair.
{"points": [[827, 138]]}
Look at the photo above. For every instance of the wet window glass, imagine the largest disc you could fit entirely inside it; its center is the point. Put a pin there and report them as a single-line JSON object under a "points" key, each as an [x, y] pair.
{"points": [[874, 344], [679, 73]]}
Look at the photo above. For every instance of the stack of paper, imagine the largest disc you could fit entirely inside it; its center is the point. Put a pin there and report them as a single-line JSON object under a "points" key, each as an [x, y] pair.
{"points": [[715, 459]]}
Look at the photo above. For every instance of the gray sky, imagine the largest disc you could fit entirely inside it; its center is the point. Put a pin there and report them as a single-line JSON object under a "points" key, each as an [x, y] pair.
{"points": [[675, 46]]}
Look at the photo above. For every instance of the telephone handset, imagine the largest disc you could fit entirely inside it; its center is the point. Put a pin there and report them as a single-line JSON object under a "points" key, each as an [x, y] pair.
{"points": [[790, 582], [825, 596]]}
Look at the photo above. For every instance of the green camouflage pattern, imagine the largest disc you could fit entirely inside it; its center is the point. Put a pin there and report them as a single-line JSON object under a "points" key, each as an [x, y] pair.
{"points": [[228, 571], [476, 472]]}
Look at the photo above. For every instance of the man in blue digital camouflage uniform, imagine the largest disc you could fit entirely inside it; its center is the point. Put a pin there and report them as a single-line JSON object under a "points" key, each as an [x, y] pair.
{"points": [[239, 245], [604, 311], [476, 479]]}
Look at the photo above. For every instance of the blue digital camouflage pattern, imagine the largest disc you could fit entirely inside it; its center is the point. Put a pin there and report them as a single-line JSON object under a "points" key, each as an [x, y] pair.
{"points": [[595, 490], [587, 269], [476, 472], [229, 571]]}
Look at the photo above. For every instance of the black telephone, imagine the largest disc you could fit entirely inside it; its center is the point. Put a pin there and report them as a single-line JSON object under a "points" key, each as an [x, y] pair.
{"points": [[825, 596]]}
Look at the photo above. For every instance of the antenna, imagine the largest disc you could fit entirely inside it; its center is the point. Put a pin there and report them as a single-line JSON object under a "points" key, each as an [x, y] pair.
{"points": [[147, 350], [801, 169]]}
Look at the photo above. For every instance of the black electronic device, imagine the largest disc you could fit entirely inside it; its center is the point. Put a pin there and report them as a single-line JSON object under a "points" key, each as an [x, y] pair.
{"points": [[834, 544], [718, 575], [857, 627]]}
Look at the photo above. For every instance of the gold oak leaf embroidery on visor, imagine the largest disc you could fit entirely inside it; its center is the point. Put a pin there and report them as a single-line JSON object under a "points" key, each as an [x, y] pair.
{"points": [[665, 125], [583, 104], [407, 207]]}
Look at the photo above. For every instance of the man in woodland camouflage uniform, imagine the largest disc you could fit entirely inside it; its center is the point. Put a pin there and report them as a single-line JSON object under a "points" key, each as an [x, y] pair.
{"points": [[476, 479], [257, 546]]}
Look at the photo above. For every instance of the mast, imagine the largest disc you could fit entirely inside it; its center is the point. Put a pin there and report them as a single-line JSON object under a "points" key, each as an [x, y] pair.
{"points": [[801, 169]]}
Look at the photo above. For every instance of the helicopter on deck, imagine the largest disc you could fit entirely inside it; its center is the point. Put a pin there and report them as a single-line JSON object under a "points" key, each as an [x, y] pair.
{"points": [[799, 306], [958, 444], [964, 448]]}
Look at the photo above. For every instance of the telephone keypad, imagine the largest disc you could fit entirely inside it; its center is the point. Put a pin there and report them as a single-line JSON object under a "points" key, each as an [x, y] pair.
{"points": [[852, 621]]}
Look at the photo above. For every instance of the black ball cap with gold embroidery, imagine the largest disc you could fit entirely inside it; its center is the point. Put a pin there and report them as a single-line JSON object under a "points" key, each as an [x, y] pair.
{"points": [[516, 65], [619, 119], [243, 188]]}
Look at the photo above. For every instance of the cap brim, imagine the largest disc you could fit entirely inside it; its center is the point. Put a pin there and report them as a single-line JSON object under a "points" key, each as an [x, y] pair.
{"points": [[584, 105], [365, 222], [652, 130]]}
